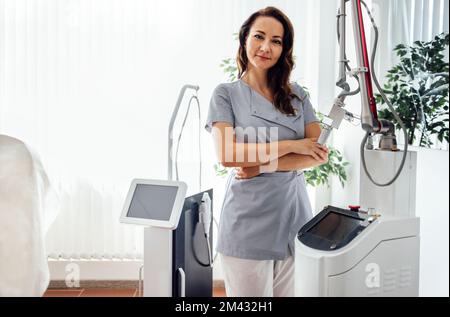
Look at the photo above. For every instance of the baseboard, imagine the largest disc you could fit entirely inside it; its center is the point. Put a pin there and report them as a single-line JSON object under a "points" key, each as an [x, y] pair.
{"points": [[94, 270], [112, 274], [89, 284], [113, 284]]}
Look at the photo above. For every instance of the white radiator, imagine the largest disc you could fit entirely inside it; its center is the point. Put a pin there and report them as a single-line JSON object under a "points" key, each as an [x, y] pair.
{"points": [[87, 226]]}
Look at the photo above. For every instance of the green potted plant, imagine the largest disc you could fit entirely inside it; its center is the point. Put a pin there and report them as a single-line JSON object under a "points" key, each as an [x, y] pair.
{"points": [[418, 88]]}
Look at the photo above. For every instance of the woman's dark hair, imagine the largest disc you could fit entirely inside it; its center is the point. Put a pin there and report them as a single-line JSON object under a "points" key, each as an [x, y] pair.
{"points": [[278, 76]]}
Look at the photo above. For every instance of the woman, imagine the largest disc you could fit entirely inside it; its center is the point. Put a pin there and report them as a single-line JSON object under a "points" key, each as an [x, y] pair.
{"points": [[267, 130]]}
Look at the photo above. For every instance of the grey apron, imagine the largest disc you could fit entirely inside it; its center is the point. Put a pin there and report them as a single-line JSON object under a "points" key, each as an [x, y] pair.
{"points": [[261, 216]]}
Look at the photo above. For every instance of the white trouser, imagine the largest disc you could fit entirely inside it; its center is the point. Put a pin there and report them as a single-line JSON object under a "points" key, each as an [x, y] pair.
{"points": [[252, 278]]}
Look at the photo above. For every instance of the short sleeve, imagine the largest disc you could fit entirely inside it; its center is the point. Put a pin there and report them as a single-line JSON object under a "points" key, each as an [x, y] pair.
{"points": [[220, 108], [308, 110]]}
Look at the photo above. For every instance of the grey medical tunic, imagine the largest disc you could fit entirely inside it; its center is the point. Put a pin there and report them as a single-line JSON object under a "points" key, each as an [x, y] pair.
{"points": [[261, 216]]}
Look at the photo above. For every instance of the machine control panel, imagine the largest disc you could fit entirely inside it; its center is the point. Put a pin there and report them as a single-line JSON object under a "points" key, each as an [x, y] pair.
{"points": [[334, 228]]}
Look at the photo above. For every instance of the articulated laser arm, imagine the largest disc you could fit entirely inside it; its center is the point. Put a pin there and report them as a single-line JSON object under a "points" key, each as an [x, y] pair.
{"points": [[369, 117]]}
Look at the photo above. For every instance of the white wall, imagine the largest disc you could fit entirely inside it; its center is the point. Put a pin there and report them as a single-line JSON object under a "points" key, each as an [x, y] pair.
{"points": [[432, 206]]}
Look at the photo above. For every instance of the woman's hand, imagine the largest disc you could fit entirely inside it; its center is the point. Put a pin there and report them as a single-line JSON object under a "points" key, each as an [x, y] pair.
{"points": [[309, 146], [324, 159], [247, 172]]}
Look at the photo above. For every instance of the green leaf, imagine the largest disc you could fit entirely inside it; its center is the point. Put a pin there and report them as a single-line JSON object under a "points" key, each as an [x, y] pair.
{"points": [[418, 87]]}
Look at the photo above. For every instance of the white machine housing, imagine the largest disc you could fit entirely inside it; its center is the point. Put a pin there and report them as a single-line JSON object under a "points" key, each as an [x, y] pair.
{"points": [[397, 199], [382, 261]]}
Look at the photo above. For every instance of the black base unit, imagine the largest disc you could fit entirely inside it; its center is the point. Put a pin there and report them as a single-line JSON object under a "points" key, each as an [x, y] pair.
{"points": [[192, 272]]}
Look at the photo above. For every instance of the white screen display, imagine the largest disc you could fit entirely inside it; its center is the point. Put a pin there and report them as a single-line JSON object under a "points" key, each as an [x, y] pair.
{"points": [[153, 202]]}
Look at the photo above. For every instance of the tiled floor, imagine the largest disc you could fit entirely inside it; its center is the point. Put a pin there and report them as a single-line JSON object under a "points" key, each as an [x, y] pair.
{"points": [[217, 292]]}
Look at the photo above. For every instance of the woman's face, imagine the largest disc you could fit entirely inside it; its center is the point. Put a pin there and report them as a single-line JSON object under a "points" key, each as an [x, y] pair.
{"points": [[264, 43]]}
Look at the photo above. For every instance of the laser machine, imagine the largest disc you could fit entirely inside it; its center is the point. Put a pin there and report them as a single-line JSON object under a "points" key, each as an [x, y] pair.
{"points": [[374, 250]]}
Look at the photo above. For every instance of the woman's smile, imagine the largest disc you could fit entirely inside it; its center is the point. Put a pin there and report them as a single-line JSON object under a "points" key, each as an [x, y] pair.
{"points": [[263, 58]]}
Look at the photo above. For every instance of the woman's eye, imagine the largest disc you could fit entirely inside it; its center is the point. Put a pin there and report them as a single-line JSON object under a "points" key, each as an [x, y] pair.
{"points": [[259, 37], [277, 42]]}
